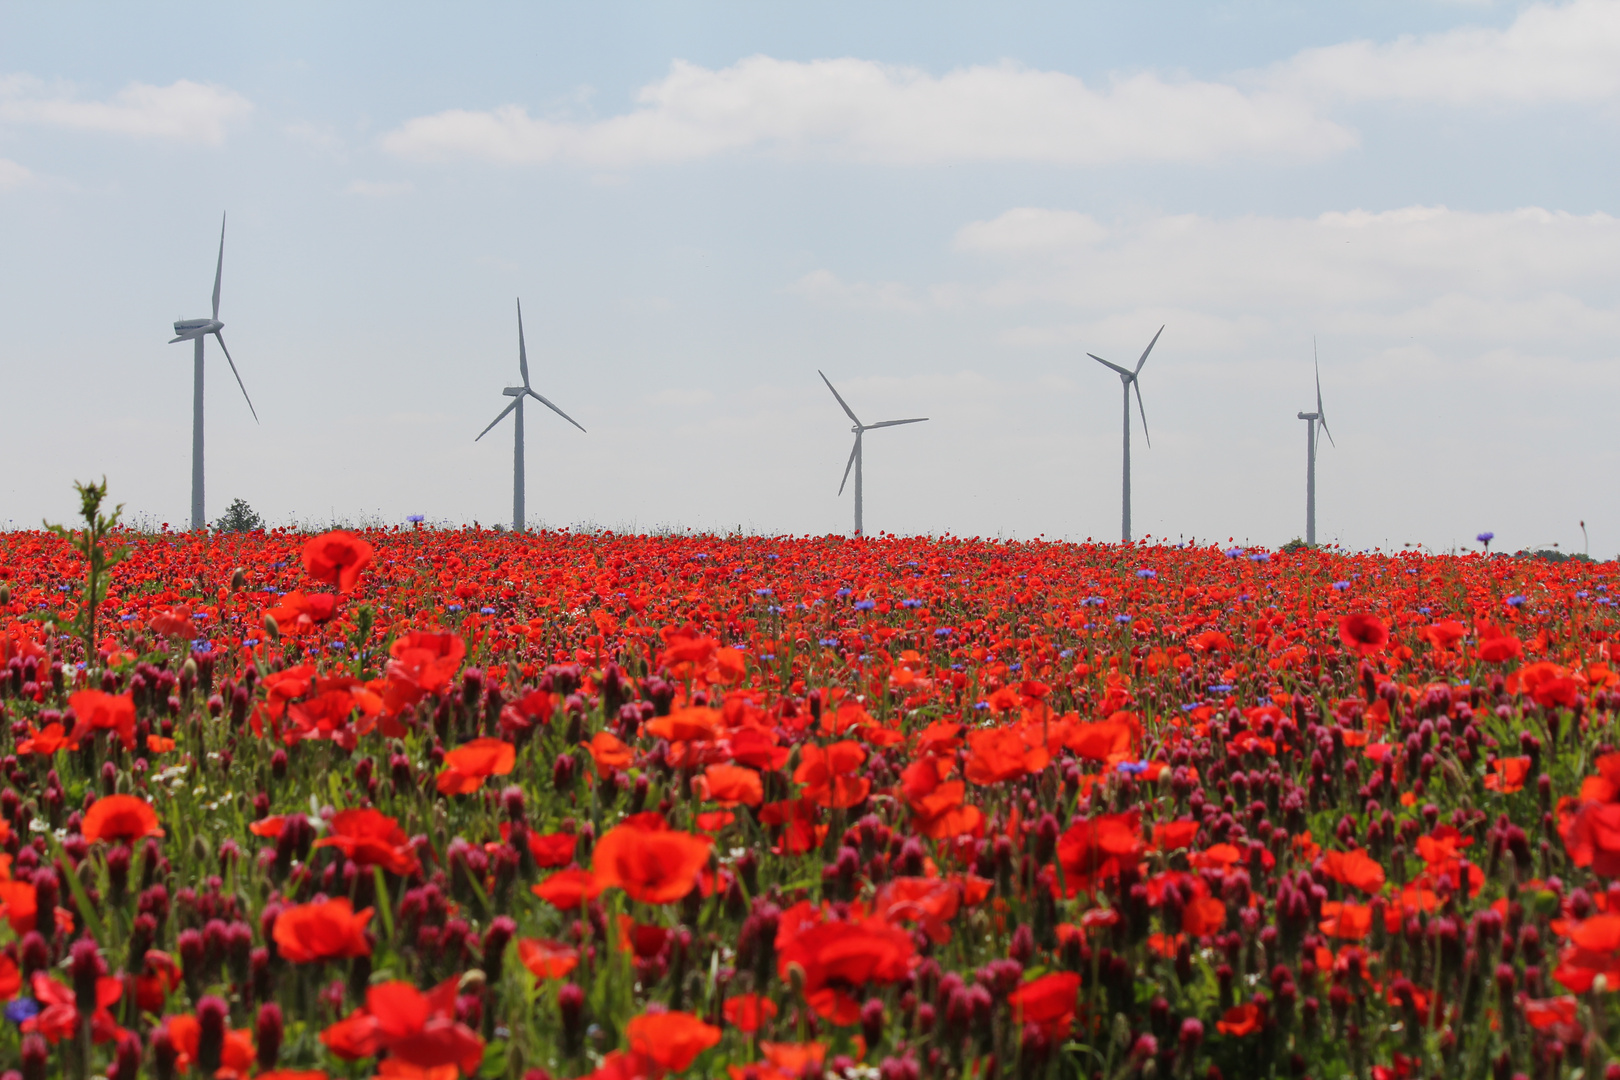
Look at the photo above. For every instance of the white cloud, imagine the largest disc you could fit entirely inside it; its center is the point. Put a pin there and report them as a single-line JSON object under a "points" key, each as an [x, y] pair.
{"points": [[184, 110], [13, 175], [826, 288], [862, 110], [1549, 53], [379, 189], [1341, 261]]}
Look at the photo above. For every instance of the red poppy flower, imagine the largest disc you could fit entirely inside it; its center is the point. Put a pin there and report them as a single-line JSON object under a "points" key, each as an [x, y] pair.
{"points": [[828, 774], [1497, 645], [609, 753], [732, 785], [748, 1012], [1104, 740], [20, 904], [672, 1039], [1005, 753], [333, 930], [119, 817], [1049, 1001], [1240, 1021], [59, 1016], [174, 623], [1363, 633], [547, 959], [470, 763], [655, 866], [1352, 922], [372, 838], [1591, 835], [552, 849], [336, 558], [937, 804], [1355, 868], [695, 724], [419, 1030], [99, 711], [1508, 775], [836, 957], [1091, 850], [160, 976], [46, 741], [931, 903], [185, 1032], [567, 889], [300, 612]]}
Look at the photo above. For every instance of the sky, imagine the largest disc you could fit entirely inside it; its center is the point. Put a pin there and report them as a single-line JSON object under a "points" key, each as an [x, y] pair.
{"points": [[943, 206]]}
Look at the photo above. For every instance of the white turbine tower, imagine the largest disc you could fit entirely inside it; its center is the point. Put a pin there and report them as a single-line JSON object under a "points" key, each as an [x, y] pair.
{"points": [[1313, 420], [855, 455], [517, 394], [1127, 379], [195, 330]]}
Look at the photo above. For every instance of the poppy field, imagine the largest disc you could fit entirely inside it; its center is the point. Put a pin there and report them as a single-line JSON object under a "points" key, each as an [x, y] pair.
{"points": [[435, 804]]}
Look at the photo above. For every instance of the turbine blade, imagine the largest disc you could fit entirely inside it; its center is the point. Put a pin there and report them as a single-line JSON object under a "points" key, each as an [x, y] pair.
{"points": [[1321, 415], [1141, 410], [550, 406], [1147, 350], [219, 268], [1115, 367], [892, 423], [221, 338], [499, 418], [845, 405], [523, 353], [852, 452]]}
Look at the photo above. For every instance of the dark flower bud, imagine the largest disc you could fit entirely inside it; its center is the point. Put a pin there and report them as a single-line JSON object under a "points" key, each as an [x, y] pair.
{"points": [[496, 939], [512, 802], [86, 965], [267, 1033], [872, 1022], [212, 1012], [164, 1054], [36, 1057], [128, 1056], [36, 954], [571, 1010]]}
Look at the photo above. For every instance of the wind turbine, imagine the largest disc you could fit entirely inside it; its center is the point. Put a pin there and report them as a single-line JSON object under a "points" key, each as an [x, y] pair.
{"points": [[517, 394], [195, 330], [855, 455], [1127, 379], [1312, 421]]}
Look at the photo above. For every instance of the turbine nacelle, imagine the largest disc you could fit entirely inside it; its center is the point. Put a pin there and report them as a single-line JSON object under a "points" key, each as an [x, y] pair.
{"points": [[514, 391], [191, 329], [1310, 416]]}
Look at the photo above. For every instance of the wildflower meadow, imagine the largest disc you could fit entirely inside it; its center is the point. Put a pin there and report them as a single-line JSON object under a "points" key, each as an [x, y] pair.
{"points": [[421, 803]]}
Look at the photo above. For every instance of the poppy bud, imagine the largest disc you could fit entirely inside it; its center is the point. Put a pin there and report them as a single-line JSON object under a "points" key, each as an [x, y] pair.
{"points": [[271, 627], [36, 1057], [571, 1010], [267, 1034]]}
